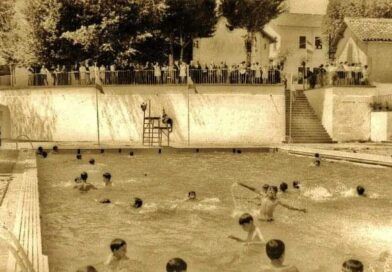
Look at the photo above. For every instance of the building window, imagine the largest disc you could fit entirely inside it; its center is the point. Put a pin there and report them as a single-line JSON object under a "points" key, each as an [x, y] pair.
{"points": [[302, 42], [318, 43]]}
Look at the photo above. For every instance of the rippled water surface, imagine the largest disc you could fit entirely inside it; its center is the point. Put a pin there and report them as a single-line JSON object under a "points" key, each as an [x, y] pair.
{"points": [[77, 230]]}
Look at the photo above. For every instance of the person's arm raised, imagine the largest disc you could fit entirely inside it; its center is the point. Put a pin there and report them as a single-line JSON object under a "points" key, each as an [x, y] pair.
{"points": [[249, 188]]}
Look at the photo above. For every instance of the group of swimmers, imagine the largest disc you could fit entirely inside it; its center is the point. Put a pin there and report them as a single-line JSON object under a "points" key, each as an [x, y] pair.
{"points": [[275, 248]]}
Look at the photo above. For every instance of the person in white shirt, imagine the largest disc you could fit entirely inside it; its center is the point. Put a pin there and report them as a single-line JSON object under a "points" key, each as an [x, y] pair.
{"points": [[182, 72], [82, 72], [157, 73]]}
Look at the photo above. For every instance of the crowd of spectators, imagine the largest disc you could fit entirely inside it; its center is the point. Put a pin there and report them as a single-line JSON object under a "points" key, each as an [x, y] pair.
{"points": [[338, 75], [155, 73]]}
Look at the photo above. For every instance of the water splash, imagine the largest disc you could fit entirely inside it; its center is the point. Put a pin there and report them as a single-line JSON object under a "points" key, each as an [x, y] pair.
{"points": [[318, 194]]}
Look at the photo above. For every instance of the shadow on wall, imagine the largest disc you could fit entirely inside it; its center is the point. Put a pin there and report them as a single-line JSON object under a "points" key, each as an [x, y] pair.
{"points": [[35, 118]]}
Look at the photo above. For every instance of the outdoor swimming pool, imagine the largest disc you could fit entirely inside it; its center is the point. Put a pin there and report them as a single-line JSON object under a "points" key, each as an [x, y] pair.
{"points": [[77, 230]]}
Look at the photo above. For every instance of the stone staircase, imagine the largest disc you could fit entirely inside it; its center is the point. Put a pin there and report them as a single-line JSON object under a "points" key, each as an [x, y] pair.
{"points": [[305, 125]]}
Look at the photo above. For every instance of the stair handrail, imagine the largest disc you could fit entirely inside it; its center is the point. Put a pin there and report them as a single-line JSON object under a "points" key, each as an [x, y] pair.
{"points": [[16, 249]]}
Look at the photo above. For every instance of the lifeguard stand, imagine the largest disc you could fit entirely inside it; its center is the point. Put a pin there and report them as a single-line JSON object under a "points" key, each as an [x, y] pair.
{"points": [[153, 130]]}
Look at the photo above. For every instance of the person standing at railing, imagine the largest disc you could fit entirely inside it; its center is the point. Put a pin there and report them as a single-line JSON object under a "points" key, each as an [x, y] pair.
{"points": [[75, 79], [242, 71], [157, 73], [82, 75], [44, 76], [257, 73], [183, 72], [94, 70], [113, 76], [365, 76], [357, 73], [264, 74], [102, 73]]}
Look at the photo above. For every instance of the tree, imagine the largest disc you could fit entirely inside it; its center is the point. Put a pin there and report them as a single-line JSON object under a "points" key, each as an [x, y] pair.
{"points": [[251, 15], [337, 10], [184, 20]]}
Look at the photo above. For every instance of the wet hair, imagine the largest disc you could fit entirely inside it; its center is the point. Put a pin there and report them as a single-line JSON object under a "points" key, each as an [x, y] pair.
{"points": [[91, 161], [176, 265], [107, 175], [119, 150], [239, 151], [79, 156], [131, 153], [296, 184], [246, 218], [44, 154], [283, 186], [88, 268], [353, 265], [78, 151], [84, 176], [102, 151], [265, 187], [360, 190], [317, 155], [191, 193], [275, 249], [40, 149], [138, 203], [117, 244], [56, 148], [275, 188]]}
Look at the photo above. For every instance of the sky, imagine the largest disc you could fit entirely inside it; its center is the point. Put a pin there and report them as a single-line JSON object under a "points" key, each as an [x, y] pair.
{"points": [[308, 6]]}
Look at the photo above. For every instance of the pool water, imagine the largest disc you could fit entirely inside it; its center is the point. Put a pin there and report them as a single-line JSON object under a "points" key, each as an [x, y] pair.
{"points": [[77, 230]]}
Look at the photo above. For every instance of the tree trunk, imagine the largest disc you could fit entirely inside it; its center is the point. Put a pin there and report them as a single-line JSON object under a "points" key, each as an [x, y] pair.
{"points": [[249, 47], [182, 47], [171, 54]]}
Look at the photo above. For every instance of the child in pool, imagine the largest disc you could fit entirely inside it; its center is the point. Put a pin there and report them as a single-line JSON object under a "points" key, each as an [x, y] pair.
{"points": [[176, 265], [317, 160], [275, 250], [270, 202], [107, 179], [254, 233], [352, 266], [118, 259], [84, 187], [192, 196]]}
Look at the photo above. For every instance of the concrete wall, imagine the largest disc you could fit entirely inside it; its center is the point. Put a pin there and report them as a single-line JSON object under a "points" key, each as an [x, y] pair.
{"points": [[380, 57], [345, 112], [247, 115], [381, 126]]}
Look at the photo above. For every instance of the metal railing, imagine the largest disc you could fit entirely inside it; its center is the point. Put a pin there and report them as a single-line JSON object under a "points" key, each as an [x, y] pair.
{"points": [[156, 77], [337, 78]]}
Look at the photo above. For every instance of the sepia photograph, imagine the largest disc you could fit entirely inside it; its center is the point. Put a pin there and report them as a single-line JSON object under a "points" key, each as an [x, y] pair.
{"points": [[195, 135]]}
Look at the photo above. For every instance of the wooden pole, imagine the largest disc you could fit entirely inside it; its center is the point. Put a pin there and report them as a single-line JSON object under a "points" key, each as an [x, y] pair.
{"points": [[97, 108]]}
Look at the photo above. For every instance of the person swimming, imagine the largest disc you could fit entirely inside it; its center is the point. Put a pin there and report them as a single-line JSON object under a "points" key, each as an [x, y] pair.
{"points": [[296, 184], [91, 161], [55, 149], [79, 156], [283, 187], [254, 234], [137, 203], [176, 265], [192, 196], [270, 202], [352, 266], [107, 179], [361, 190], [88, 268], [44, 154], [275, 250], [39, 150], [118, 259], [317, 160], [84, 187], [105, 201]]}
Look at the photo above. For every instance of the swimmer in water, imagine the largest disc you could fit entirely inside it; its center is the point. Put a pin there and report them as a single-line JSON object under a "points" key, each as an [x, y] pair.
{"points": [[192, 196], [84, 187], [275, 250], [361, 190], [107, 179], [352, 266], [317, 160], [296, 184], [118, 259], [270, 202], [88, 268], [176, 265], [138, 203], [254, 233], [283, 187]]}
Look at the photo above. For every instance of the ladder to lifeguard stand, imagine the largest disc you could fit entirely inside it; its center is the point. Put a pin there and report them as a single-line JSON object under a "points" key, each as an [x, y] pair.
{"points": [[153, 131]]}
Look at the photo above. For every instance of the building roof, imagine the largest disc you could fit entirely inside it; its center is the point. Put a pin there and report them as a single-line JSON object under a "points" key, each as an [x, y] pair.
{"points": [[371, 29], [299, 20]]}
